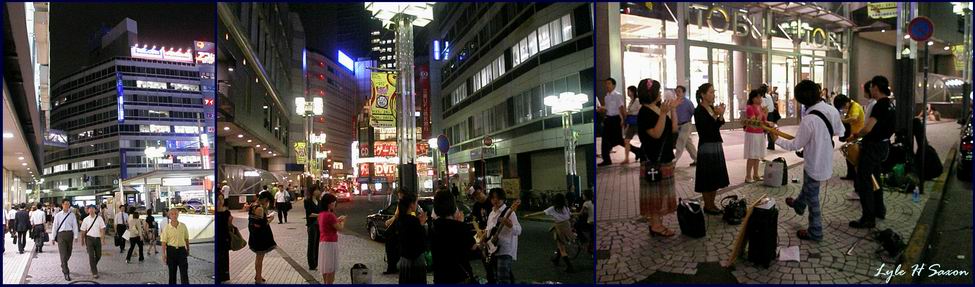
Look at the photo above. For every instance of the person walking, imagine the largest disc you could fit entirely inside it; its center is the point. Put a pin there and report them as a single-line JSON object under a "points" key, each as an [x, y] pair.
{"points": [[65, 234], [613, 124], [816, 140], [261, 239], [94, 231], [12, 222], [136, 230], [708, 119], [629, 124], [658, 125], [311, 223], [328, 246], [507, 238], [121, 224], [412, 240], [451, 241], [37, 220], [176, 241], [754, 136], [23, 226], [685, 112], [152, 232], [281, 204], [224, 222], [875, 146], [561, 229]]}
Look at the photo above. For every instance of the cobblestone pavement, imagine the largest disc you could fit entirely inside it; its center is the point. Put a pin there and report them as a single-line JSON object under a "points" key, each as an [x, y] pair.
{"points": [[629, 255]]}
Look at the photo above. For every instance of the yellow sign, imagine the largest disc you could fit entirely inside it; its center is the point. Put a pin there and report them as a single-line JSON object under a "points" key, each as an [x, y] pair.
{"points": [[383, 103], [882, 10], [301, 152]]}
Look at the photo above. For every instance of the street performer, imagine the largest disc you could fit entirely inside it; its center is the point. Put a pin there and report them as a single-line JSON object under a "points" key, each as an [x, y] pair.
{"points": [[815, 137], [876, 133], [507, 252]]}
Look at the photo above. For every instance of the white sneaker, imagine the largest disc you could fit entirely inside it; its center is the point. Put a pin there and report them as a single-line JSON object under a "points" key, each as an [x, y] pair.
{"points": [[852, 196]]}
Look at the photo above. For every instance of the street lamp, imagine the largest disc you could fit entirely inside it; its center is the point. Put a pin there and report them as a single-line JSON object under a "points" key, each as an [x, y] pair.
{"points": [[567, 103], [309, 110], [404, 15]]}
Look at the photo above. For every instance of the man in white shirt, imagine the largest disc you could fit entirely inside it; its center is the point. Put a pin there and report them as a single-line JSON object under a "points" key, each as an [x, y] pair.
{"points": [[225, 190], [65, 234], [613, 124], [281, 203], [11, 217], [816, 141], [507, 251], [37, 219], [94, 228], [121, 224]]}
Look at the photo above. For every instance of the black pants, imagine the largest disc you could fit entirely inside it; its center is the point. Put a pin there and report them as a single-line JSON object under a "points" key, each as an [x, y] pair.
{"points": [[176, 259], [39, 238], [612, 137], [21, 240], [312, 254], [282, 211], [133, 241], [490, 270], [850, 170], [119, 241], [392, 255], [872, 155]]}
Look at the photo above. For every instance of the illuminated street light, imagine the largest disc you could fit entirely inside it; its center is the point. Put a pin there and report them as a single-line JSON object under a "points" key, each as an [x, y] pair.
{"points": [[566, 104]]}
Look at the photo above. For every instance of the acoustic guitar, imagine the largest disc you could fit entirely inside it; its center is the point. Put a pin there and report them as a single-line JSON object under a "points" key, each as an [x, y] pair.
{"points": [[767, 127]]}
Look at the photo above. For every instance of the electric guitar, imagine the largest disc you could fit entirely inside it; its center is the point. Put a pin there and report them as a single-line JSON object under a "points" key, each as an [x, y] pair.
{"points": [[490, 245], [765, 126]]}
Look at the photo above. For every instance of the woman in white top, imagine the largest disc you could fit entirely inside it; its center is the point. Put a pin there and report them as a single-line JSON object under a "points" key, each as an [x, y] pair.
{"points": [[136, 230], [37, 219], [561, 229]]}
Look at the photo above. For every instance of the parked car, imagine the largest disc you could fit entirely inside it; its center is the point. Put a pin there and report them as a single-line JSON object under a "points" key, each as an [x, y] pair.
{"points": [[343, 194], [376, 222], [964, 171], [195, 205]]}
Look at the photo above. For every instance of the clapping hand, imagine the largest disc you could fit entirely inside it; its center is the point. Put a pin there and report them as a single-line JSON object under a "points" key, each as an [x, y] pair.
{"points": [[670, 105], [720, 109], [341, 219]]}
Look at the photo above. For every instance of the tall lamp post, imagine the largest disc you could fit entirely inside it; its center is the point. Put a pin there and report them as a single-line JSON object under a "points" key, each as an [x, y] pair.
{"points": [[309, 110], [566, 104], [404, 15]]}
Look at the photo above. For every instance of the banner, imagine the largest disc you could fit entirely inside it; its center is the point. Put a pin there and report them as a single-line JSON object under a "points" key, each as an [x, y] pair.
{"points": [[423, 95], [882, 10], [382, 106], [301, 152]]}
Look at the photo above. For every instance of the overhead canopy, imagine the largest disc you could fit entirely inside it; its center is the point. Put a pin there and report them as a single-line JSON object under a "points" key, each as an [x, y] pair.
{"points": [[807, 11]]}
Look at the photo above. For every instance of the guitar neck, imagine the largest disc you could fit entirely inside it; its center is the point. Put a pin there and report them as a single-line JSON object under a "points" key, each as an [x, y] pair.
{"points": [[767, 128]]}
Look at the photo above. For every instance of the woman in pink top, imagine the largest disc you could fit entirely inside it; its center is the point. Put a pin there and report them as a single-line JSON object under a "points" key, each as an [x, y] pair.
{"points": [[754, 136], [329, 227]]}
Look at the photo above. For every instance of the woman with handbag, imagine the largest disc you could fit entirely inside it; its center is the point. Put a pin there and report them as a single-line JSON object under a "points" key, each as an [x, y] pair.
{"points": [[135, 231], [657, 126], [630, 125], [708, 120]]}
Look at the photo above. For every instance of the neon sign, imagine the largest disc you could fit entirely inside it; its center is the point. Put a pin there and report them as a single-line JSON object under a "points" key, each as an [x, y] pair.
{"points": [[171, 54], [205, 58], [346, 61], [121, 97]]}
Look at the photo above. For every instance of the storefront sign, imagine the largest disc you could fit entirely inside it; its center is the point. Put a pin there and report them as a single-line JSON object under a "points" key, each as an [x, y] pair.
{"points": [[385, 149], [735, 21], [383, 104], [882, 10], [385, 170], [205, 53], [164, 86], [364, 170], [301, 153], [171, 54]]}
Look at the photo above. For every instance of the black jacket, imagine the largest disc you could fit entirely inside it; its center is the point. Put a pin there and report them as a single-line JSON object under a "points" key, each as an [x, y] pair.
{"points": [[22, 221], [412, 236], [452, 241]]}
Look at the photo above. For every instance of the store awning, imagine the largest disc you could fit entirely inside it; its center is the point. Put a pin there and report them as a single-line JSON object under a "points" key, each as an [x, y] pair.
{"points": [[156, 177], [807, 11]]}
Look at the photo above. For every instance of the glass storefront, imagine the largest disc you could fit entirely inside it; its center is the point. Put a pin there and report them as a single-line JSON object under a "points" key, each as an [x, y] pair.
{"points": [[735, 46]]}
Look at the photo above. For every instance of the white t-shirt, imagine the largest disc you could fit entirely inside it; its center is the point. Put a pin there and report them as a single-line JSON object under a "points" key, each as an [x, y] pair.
{"points": [[94, 226], [559, 216], [614, 101], [12, 214], [37, 217], [589, 208], [280, 197]]}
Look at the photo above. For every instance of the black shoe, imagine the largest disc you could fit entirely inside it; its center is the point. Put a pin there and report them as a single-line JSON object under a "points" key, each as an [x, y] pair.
{"points": [[67, 277], [605, 163], [555, 258], [860, 225], [791, 202], [881, 216], [847, 177]]}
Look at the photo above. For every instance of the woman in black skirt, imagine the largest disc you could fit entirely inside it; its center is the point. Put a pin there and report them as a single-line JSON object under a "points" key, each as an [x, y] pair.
{"points": [[710, 153], [223, 249], [261, 239]]}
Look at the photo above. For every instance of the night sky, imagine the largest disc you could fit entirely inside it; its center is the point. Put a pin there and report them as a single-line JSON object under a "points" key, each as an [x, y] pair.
{"points": [[74, 24]]}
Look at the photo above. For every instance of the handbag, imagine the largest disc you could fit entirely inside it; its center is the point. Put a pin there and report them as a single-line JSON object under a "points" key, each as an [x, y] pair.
{"points": [[690, 217], [656, 171], [734, 209], [237, 241]]}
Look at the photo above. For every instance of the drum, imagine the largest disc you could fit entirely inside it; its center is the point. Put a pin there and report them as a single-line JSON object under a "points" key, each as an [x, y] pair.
{"points": [[851, 151]]}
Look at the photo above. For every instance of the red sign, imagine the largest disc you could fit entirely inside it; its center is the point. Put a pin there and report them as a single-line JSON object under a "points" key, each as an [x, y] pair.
{"points": [[364, 150], [385, 149], [422, 148], [208, 102], [385, 169], [364, 170], [423, 94]]}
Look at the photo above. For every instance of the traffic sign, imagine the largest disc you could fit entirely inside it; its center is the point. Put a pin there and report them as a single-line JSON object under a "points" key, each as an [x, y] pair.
{"points": [[921, 29], [443, 144], [488, 141]]}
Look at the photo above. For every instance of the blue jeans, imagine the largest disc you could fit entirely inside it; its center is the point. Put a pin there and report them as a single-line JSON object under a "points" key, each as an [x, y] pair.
{"points": [[809, 196], [504, 275]]}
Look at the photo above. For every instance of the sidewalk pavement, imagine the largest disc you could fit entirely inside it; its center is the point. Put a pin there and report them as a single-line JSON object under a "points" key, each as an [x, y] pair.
{"points": [[288, 264], [45, 268], [628, 255]]}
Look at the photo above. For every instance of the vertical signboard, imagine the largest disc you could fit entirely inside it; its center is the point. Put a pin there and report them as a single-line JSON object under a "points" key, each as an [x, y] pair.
{"points": [[204, 55], [423, 93], [121, 97], [382, 105]]}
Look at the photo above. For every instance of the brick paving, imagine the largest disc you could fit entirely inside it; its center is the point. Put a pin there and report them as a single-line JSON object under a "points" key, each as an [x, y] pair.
{"points": [[630, 255], [15, 264]]}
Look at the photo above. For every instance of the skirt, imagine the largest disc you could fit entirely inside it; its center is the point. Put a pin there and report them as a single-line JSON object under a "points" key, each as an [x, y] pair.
{"points": [[562, 232], [658, 198], [328, 256], [712, 170], [755, 145]]}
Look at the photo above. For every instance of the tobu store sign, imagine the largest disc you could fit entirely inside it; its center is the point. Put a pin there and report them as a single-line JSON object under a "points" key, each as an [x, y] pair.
{"points": [[742, 24]]}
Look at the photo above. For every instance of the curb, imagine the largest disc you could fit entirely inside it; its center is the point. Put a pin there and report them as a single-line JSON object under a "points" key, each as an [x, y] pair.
{"points": [[921, 235]]}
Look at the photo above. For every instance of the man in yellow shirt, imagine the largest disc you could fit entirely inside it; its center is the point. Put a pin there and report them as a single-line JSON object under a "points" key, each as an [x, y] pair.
{"points": [[853, 121], [176, 241]]}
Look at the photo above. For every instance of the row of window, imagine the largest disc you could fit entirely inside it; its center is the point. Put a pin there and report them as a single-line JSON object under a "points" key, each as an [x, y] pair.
{"points": [[489, 73], [458, 95], [546, 36]]}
